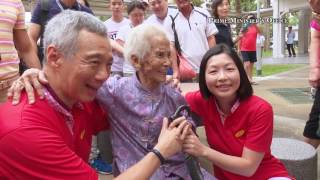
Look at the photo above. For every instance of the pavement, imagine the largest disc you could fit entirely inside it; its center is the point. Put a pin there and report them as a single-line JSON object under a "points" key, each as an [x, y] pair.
{"points": [[281, 91]]}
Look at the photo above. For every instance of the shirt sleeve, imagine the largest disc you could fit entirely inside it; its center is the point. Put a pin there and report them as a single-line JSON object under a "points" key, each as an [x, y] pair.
{"points": [[38, 151], [168, 28], [36, 14], [211, 28], [194, 99], [20, 23], [259, 134]]}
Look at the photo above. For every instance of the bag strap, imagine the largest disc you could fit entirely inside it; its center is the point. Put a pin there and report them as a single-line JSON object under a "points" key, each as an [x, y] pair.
{"points": [[176, 40], [44, 6]]}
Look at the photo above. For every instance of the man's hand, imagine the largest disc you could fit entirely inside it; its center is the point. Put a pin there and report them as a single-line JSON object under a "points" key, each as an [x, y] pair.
{"points": [[172, 136], [29, 81]]}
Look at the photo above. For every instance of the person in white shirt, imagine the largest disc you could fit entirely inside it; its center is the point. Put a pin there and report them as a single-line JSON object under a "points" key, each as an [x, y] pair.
{"points": [[161, 13], [194, 30], [290, 42], [136, 11], [113, 25]]}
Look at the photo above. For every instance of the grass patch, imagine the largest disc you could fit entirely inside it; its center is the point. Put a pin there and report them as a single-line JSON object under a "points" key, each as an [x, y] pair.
{"points": [[267, 53], [270, 69]]}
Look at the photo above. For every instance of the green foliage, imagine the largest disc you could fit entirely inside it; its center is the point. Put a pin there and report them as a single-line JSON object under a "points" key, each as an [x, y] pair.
{"points": [[246, 5], [293, 19], [270, 69], [197, 2]]}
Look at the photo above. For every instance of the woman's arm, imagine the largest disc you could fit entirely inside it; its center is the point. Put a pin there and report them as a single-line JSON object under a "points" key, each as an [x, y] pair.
{"points": [[314, 58], [246, 165]]}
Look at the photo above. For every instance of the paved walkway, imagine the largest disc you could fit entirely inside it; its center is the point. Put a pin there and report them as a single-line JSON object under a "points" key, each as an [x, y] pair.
{"points": [[289, 118]]}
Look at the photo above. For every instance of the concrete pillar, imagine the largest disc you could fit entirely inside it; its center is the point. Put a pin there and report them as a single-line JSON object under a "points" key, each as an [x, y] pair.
{"points": [[304, 21], [278, 37]]}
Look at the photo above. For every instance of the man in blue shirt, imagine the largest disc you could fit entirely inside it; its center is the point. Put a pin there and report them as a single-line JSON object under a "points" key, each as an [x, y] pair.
{"points": [[40, 17]]}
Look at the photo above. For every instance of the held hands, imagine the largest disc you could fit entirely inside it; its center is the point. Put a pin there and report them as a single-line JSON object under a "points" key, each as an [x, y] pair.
{"points": [[172, 136], [193, 146], [29, 81]]}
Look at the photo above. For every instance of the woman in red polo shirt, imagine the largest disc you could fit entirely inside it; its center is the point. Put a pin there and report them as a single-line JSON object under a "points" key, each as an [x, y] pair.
{"points": [[238, 124]]}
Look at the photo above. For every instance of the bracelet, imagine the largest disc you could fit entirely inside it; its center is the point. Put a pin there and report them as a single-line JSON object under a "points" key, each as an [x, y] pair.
{"points": [[159, 155]]}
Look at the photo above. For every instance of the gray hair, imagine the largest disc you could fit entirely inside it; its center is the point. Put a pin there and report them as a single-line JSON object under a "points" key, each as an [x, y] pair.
{"points": [[138, 42], [63, 30]]}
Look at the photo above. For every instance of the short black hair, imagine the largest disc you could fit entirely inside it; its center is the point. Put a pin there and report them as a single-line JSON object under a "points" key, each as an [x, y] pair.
{"points": [[245, 90], [135, 4], [214, 7]]}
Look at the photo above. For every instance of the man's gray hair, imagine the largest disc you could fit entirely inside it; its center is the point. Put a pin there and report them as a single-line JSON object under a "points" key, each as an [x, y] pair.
{"points": [[139, 40], [62, 31]]}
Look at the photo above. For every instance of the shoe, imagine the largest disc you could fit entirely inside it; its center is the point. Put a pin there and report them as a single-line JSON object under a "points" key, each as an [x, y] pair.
{"points": [[100, 166], [289, 56], [294, 55]]}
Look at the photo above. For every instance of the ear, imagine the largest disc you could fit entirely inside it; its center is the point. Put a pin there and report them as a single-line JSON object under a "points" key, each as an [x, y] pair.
{"points": [[135, 62], [54, 58]]}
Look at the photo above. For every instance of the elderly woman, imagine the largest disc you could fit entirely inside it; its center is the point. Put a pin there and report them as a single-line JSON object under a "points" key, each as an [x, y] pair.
{"points": [[137, 104]]}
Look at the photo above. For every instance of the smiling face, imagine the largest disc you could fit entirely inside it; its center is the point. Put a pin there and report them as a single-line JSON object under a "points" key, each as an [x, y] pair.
{"points": [[222, 77], [153, 68], [223, 9], [83, 74], [159, 7]]}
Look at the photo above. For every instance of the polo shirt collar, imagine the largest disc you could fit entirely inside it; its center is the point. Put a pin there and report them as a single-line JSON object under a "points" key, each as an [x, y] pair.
{"points": [[234, 107]]}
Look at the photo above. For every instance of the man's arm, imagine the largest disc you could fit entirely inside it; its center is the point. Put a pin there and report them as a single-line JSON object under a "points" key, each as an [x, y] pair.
{"points": [[211, 41], [26, 50], [34, 34], [174, 61], [169, 143]]}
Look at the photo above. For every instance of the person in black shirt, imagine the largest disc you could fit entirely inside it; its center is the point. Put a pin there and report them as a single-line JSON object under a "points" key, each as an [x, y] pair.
{"points": [[220, 11]]}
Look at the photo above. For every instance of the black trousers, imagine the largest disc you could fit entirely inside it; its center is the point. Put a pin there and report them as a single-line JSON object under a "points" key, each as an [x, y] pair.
{"points": [[290, 48]]}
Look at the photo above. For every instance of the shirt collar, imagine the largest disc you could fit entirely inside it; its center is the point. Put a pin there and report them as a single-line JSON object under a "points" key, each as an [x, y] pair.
{"points": [[234, 107], [155, 93]]}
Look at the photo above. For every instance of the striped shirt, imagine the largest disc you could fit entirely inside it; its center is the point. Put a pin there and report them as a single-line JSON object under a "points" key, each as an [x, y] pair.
{"points": [[11, 17]]}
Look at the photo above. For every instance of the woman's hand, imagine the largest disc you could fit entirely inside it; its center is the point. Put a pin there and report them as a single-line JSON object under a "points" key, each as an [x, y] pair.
{"points": [[193, 146], [172, 136], [31, 79]]}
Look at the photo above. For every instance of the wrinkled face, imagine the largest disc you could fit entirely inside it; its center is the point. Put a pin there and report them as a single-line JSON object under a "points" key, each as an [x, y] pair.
{"points": [[155, 64], [116, 6], [223, 9], [136, 16], [159, 7], [222, 77], [84, 73], [183, 4]]}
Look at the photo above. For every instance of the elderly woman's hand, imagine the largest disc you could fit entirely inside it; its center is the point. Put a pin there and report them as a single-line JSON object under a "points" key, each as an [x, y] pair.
{"points": [[193, 146], [29, 81], [172, 136]]}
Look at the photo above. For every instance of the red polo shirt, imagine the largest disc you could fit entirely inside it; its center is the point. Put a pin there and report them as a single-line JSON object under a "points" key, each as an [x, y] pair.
{"points": [[248, 41], [250, 125], [42, 141]]}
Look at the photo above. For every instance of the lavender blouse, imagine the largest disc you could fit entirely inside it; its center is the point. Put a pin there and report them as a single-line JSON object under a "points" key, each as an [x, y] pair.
{"points": [[136, 116]]}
